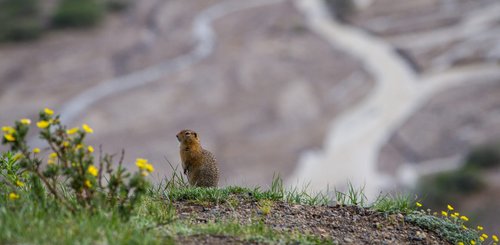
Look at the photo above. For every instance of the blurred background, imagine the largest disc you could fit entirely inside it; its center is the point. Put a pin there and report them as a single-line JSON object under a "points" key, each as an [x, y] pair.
{"points": [[396, 96]]}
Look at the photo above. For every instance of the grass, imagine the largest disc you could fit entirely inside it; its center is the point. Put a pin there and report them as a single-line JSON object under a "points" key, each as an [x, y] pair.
{"points": [[155, 220], [256, 232]]}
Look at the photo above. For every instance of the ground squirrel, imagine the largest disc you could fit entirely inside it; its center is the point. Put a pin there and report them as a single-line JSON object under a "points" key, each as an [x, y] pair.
{"points": [[198, 164]]}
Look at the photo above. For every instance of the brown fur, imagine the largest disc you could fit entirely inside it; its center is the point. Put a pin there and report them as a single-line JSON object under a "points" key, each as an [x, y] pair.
{"points": [[198, 164]]}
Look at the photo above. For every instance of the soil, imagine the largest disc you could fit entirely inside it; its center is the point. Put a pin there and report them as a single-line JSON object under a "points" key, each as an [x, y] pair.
{"points": [[340, 224]]}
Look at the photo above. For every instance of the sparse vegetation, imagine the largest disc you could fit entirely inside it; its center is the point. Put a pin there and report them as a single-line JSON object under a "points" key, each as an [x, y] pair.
{"points": [[19, 20], [78, 13], [483, 157]]}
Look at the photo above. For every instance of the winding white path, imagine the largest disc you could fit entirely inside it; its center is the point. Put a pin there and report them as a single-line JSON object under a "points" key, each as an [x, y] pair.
{"points": [[353, 143], [202, 31]]}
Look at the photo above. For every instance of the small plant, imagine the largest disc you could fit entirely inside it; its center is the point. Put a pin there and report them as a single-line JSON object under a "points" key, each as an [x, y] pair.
{"points": [[450, 224], [390, 204], [265, 206], [353, 196], [71, 174]]}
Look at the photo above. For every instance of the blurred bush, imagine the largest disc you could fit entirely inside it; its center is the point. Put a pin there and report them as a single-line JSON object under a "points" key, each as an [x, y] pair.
{"points": [[78, 13], [443, 188], [20, 20], [483, 157], [117, 5], [340, 9]]}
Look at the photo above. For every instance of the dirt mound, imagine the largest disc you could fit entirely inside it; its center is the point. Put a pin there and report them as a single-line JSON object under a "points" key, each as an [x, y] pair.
{"points": [[337, 224]]}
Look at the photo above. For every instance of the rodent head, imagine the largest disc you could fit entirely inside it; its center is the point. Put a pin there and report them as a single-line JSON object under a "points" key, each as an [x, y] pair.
{"points": [[188, 137]]}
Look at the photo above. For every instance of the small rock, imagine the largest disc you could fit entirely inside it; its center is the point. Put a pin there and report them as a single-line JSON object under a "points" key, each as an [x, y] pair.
{"points": [[348, 240]]}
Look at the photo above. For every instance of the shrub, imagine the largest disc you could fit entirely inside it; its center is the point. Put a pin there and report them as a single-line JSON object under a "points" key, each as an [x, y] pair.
{"points": [[78, 13], [117, 5], [71, 175], [445, 187], [483, 158], [19, 20]]}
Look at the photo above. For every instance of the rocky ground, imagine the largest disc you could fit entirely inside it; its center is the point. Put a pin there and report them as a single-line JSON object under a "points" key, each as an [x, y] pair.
{"points": [[340, 224]]}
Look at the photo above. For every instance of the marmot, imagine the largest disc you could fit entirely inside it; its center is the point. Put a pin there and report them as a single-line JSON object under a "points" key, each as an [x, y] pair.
{"points": [[198, 164]]}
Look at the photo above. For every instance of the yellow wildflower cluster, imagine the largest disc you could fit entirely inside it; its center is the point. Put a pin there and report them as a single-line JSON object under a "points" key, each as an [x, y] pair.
{"points": [[144, 165], [460, 220]]}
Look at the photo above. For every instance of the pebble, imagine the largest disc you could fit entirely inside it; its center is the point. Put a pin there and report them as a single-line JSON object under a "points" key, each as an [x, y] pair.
{"points": [[348, 240]]}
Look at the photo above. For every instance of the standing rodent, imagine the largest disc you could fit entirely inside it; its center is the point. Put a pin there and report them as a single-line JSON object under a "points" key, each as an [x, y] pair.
{"points": [[198, 164]]}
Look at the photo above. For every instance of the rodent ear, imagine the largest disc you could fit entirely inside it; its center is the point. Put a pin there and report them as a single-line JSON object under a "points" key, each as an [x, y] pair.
{"points": [[195, 135]]}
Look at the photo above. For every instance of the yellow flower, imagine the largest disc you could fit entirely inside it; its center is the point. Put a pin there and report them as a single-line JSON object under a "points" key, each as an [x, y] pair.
{"points": [[484, 236], [8, 129], [479, 228], [481, 239], [140, 162], [36, 150], [456, 214], [444, 213], [65, 143], [144, 173], [48, 111], [42, 124], [13, 196], [53, 155], [51, 161], [18, 156], [144, 165], [460, 243], [453, 215], [92, 170], [25, 121], [88, 184], [465, 227], [450, 207], [87, 128], [419, 204], [72, 131], [90, 149], [9, 137], [495, 238], [19, 183], [79, 146], [149, 168], [472, 242], [464, 218]]}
